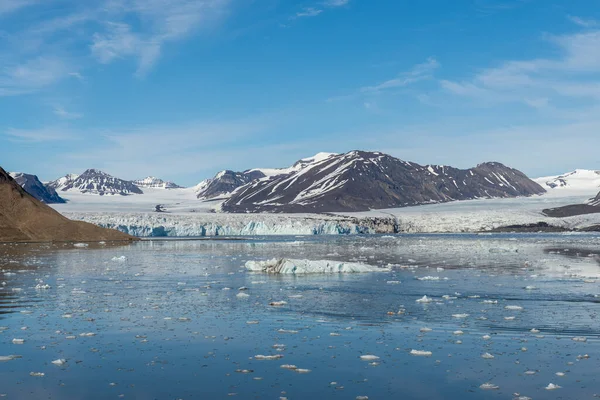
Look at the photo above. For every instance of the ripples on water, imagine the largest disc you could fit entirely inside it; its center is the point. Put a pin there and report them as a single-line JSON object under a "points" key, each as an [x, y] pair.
{"points": [[164, 320]]}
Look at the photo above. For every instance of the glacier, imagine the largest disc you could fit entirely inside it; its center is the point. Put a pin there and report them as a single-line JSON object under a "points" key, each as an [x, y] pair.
{"points": [[214, 224]]}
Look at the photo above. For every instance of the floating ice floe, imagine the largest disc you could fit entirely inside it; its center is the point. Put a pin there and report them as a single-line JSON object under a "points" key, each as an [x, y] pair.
{"points": [[119, 259], [552, 386], [278, 303], [369, 357], [291, 266], [425, 299], [9, 358], [393, 282], [428, 278], [273, 357], [41, 286], [490, 302], [289, 366], [460, 315], [487, 356], [535, 330], [561, 374], [18, 341], [80, 245], [458, 333], [424, 330], [489, 386], [579, 339], [486, 337], [59, 362], [514, 308], [242, 295], [421, 353], [37, 374]]}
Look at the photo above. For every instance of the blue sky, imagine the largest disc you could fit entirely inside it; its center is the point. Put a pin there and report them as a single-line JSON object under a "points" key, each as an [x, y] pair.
{"points": [[183, 88]]}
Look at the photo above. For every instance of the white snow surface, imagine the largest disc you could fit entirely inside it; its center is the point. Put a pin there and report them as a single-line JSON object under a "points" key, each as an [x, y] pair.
{"points": [[290, 266], [188, 216], [580, 179]]}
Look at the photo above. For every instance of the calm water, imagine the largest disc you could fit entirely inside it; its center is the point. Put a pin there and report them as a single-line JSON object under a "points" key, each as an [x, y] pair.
{"points": [[163, 320]]}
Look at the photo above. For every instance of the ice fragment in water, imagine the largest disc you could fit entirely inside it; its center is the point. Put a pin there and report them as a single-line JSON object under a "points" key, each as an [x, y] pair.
{"points": [[487, 356], [290, 266], [425, 299], [59, 362], [422, 353], [489, 386], [514, 308], [552, 386], [369, 357]]}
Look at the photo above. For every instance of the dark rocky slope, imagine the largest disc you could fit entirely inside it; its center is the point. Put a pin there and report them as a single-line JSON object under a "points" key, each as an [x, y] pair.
{"points": [[23, 218]]}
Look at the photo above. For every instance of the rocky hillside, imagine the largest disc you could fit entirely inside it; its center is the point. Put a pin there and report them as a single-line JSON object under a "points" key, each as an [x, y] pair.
{"points": [[360, 181], [32, 185], [23, 218]]}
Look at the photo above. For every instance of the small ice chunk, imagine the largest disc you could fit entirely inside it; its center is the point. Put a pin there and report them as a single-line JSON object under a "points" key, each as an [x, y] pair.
{"points": [[425, 299], [561, 374], [9, 358], [552, 386], [242, 295], [37, 374], [18, 341], [513, 308], [273, 357], [460, 315], [425, 330], [421, 353], [302, 370], [59, 362], [429, 278], [534, 330], [579, 339], [289, 366], [80, 245], [369, 357], [487, 356], [459, 332], [489, 386]]}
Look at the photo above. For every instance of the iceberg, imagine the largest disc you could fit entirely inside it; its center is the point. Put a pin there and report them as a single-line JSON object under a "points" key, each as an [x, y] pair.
{"points": [[290, 266]]}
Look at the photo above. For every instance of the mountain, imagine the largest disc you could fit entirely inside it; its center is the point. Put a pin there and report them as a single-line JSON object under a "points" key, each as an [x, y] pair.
{"points": [[62, 182], [94, 181], [225, 182], [595, 201], [32, 185], [153, 182], [580, 179], [23, 218], [360, 181]]}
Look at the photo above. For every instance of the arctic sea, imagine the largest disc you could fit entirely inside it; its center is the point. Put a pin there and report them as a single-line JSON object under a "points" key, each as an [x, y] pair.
{"points": [[458, 317]]}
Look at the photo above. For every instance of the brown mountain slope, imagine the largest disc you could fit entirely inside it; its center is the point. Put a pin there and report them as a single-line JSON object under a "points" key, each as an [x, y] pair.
{"points": [[25, 219]]}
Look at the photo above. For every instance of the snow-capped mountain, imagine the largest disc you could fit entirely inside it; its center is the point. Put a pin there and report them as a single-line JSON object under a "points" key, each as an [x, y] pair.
{"points": [[359, 181], [32, 185], [225, 182], [157, 183], [595, 201], [580, 179], [62, 182], [94, 181]]}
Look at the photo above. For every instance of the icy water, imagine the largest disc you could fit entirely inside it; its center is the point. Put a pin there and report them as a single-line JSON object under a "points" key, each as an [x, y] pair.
{"points": [[165, 320]]}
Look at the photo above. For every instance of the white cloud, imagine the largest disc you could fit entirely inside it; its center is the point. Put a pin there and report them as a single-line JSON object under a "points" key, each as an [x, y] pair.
{"points": [[586, 23], [336, 3], [574, 74], [64, 114], [52, 134], [418, 73], [31, 76], [309, 12]]}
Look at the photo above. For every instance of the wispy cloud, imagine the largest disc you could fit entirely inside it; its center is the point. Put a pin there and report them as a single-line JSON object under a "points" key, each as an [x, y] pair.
{"points": [[64, 114], [418, 73], [574, 74], [38, 55], [54, 134], [336, 3], [32, 75], [308, 12], [586, 23]]}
